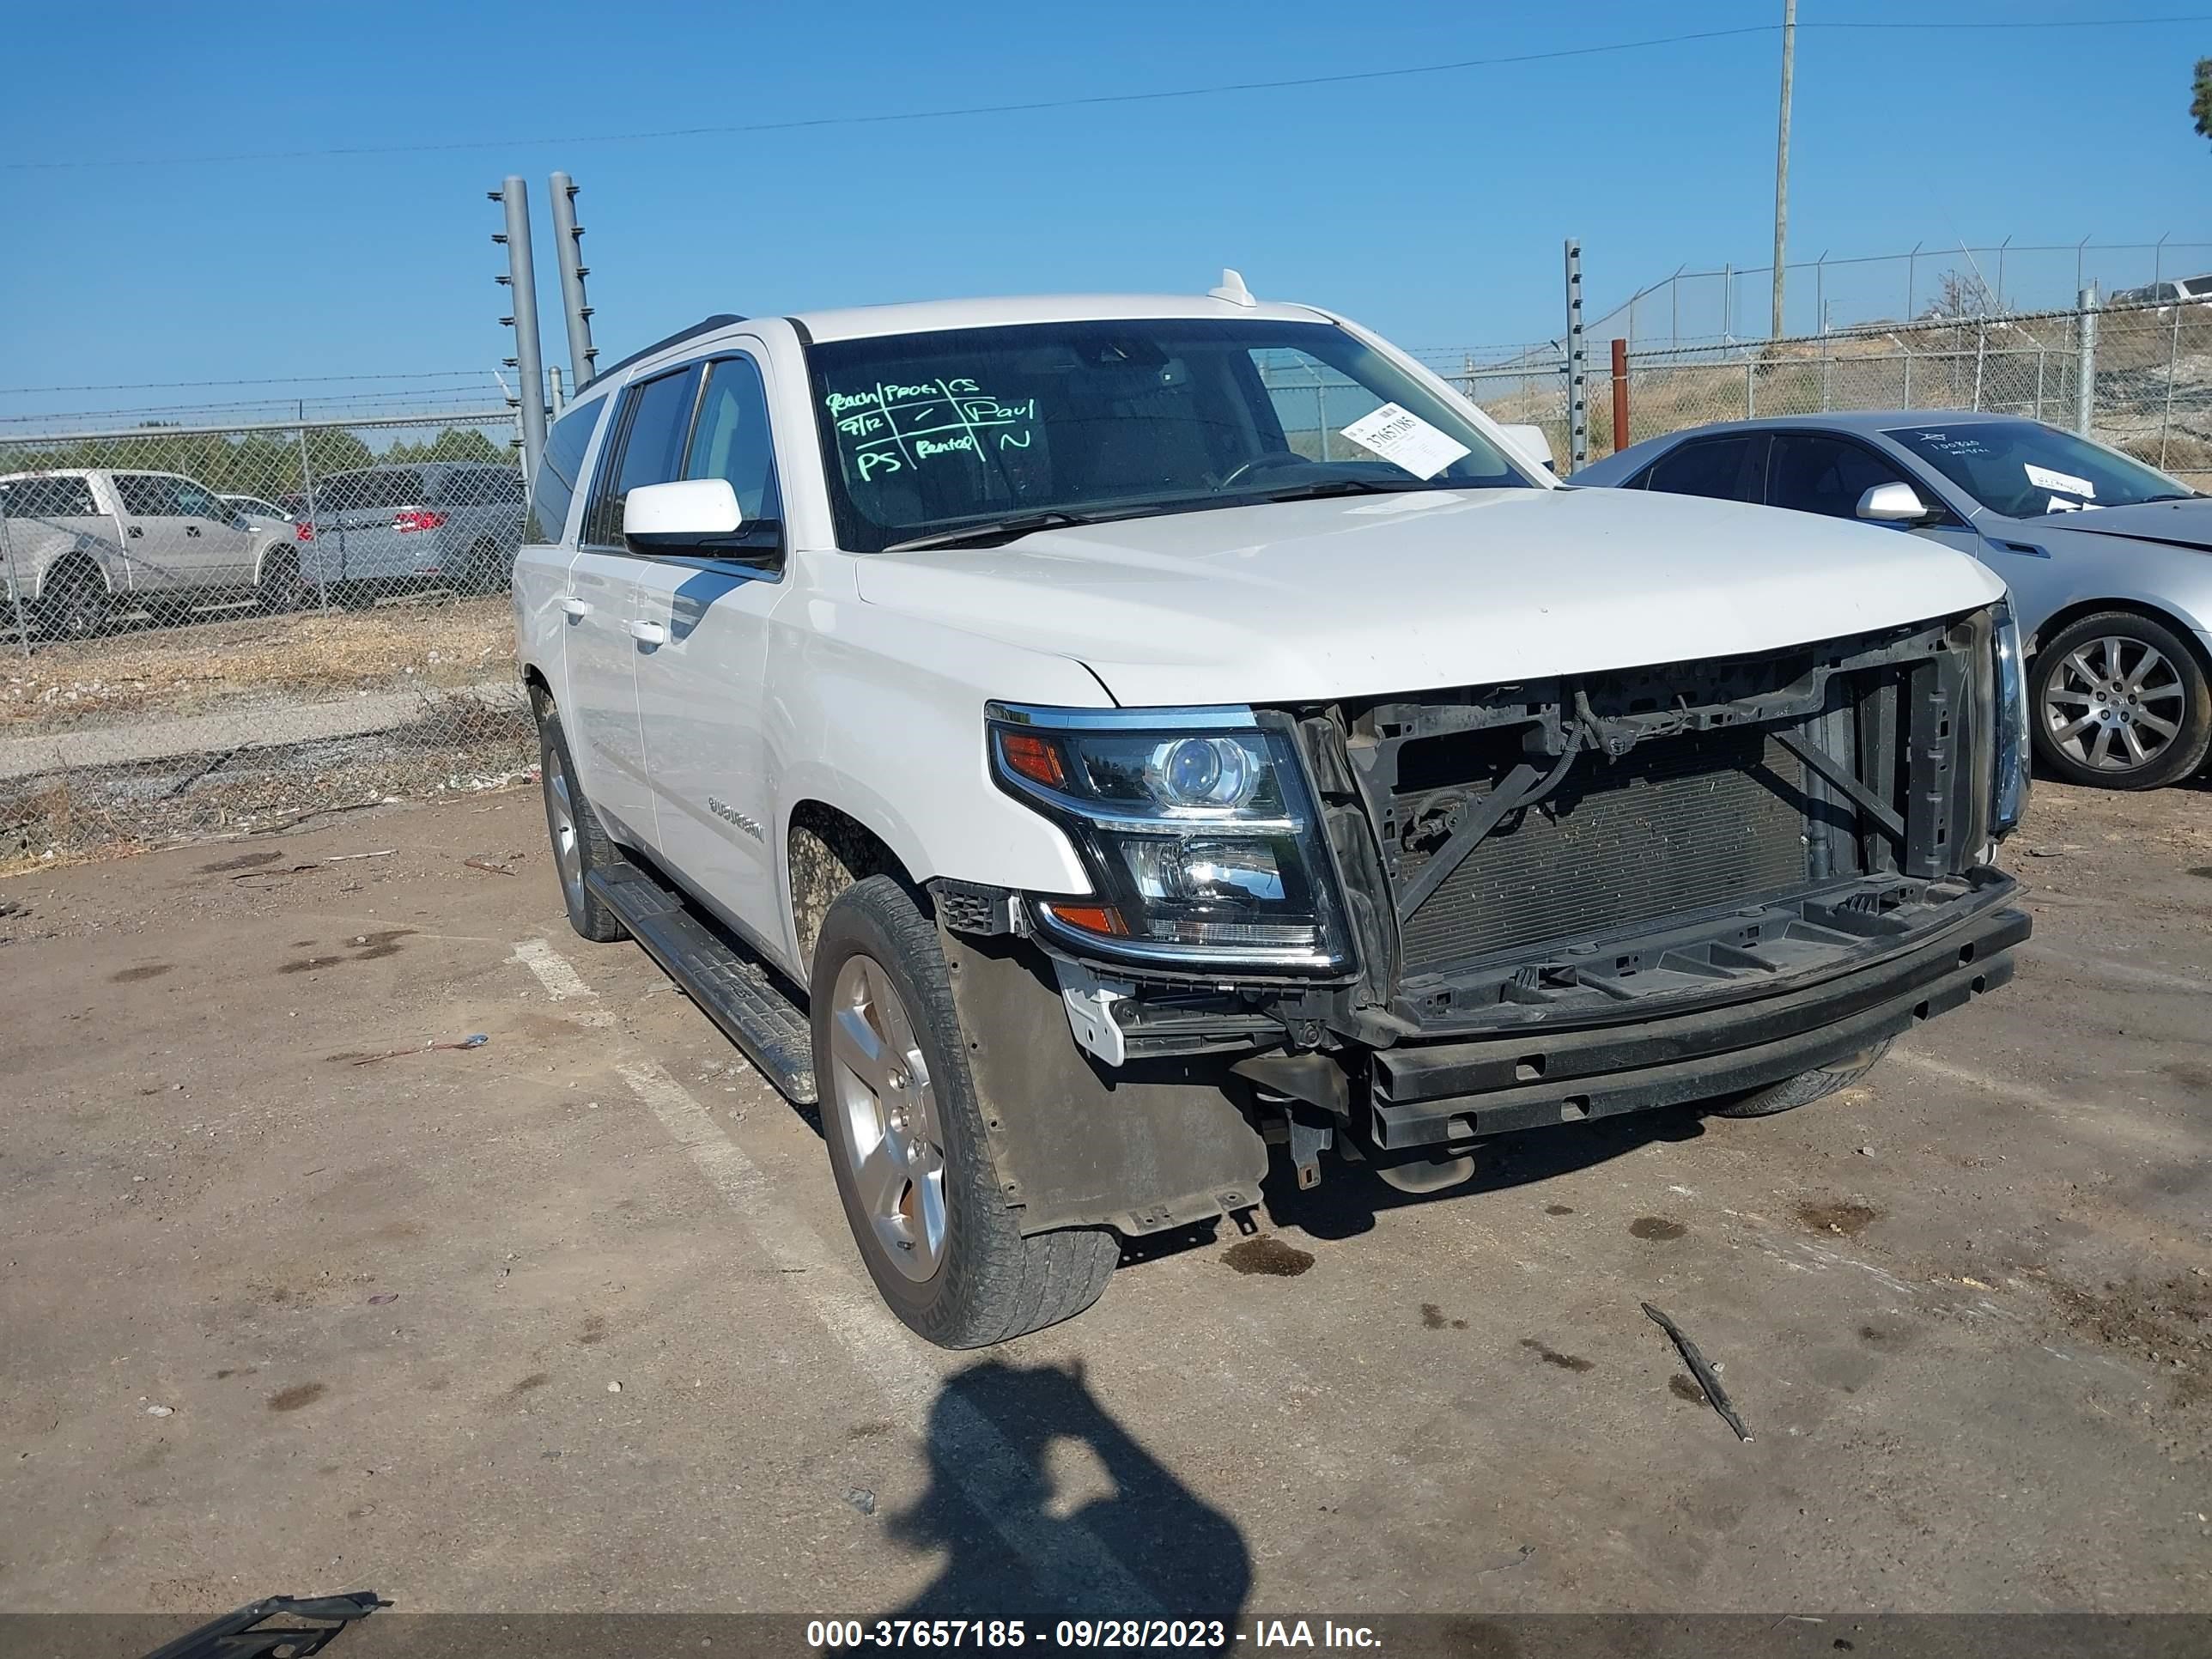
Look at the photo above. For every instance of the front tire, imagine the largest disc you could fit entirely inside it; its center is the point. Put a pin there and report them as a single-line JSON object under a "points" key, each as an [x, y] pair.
{"points": [[1806, 1086], [2119, 702], [579, 845], [907, 1145]]}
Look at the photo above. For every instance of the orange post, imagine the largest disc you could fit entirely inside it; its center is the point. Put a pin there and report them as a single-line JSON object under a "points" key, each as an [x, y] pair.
{"points": [[1619, 396]]}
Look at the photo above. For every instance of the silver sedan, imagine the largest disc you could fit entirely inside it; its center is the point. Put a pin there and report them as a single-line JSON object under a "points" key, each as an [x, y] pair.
{"points": [[2106, 558]]}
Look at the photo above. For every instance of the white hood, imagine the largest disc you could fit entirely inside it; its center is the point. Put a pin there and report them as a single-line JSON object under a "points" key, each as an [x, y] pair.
{"points": [[1362, 596]]}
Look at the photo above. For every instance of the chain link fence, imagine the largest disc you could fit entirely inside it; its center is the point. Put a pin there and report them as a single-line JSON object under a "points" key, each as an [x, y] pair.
{"points": [[227, 630], [2151, 377], [209, 631]]}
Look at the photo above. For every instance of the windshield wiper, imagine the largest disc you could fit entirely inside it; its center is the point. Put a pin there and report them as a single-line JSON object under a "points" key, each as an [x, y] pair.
{"points": [[996, 532], [2174, 495], [1352, 487]]}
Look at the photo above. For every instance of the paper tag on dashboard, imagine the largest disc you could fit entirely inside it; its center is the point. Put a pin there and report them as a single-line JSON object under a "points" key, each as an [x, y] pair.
{"points": [[1404, 438], [2044, 479]]}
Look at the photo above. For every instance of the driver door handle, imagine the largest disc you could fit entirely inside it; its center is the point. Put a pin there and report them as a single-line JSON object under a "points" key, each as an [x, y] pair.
{"points": [[574, 606], [647, 633]]}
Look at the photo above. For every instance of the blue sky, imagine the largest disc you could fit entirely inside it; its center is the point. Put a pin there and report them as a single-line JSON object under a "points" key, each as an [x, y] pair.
{"points": [[1432, 206]]}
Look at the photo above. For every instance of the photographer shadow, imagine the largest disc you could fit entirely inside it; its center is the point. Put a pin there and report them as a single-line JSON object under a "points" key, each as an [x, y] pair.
{"points": [[1011, 1551]]}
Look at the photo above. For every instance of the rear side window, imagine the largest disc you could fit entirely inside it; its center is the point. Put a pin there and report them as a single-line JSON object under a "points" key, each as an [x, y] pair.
{"points": [[47, 498], [1729, 469], [655, 420], [198, 501], [558, 470], [147, 494]]}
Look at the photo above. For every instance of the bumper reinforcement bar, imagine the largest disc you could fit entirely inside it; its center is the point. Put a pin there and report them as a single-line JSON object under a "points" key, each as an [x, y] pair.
{"points": [[1433, 1094]]}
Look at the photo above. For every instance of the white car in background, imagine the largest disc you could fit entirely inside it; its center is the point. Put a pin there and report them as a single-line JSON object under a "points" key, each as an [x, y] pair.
{"points": [[253, 507]]}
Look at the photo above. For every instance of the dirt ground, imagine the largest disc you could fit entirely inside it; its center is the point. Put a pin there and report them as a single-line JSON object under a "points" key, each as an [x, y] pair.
{"points": [[569, 1321], [141, 672]]}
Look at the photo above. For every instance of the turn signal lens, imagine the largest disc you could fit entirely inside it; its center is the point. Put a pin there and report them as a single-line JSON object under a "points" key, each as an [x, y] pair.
{"points": [[1092, 919], [1037, 759]]}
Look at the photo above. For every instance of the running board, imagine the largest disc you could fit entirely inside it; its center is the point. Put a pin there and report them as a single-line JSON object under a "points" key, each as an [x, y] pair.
{"points": [[736, 992]]}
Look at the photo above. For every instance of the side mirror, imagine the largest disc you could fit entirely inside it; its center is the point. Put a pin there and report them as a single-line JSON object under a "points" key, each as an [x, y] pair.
{"points": [[699, 516], [1533, 445], [1893, 503]]}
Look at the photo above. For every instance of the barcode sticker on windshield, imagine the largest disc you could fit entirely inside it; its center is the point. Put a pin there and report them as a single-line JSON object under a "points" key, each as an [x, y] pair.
{"points": [[1404, 438], [2044, 479]]}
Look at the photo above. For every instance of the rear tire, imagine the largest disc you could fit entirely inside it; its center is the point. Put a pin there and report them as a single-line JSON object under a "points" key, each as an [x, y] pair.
{"points": [[1806, 1086], [76, 604], [282, 589], [2113, 684], [579, 845], [907, 1145]]}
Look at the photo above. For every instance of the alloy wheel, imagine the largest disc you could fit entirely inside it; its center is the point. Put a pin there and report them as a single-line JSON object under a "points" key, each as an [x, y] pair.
{"points": [[2114, 704], [880, 1085], [561, 819]]}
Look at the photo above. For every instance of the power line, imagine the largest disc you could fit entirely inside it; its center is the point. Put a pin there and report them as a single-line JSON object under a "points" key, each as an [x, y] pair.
{"points": [[293, 379], [1094, 99]]}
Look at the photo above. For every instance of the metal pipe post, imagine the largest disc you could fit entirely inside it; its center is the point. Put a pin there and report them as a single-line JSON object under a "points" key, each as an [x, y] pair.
{"points": [[14, 585], [522, 278], [2085, 367], [307, 499], [1577, 363], [1782, 162], [558, 402], [1620, 395], [568, 252], [2172, 369]]}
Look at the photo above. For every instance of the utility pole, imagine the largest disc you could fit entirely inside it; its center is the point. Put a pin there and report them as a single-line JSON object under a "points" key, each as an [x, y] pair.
{"points": [[568, 252], [1782, 158], [521, 279]]}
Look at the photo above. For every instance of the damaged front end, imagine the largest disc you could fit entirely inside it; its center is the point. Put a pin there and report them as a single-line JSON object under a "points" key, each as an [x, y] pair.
{"points": [[1411, 923]]}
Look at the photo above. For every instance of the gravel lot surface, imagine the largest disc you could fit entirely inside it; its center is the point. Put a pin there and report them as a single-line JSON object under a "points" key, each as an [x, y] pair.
{"points": [[570, 1322]]}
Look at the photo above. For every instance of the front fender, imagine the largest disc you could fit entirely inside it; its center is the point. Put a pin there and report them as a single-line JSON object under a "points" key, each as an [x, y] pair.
{"points": [[2096, 570], [881, 716]]}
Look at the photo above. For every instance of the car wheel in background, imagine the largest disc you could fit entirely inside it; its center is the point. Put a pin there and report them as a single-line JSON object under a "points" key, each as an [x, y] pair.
{"points": [[907, 1144], [2118, 700], [281, 587], [579, 846], [1806, 1087], [76, 605]]}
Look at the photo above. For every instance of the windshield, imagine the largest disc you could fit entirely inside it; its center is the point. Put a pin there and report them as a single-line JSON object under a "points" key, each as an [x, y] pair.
{"points": [[925, 433], [2024, 469]]}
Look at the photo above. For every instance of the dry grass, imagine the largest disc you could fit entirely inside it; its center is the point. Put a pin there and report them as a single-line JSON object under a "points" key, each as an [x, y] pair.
{"points": [[152, 671]]}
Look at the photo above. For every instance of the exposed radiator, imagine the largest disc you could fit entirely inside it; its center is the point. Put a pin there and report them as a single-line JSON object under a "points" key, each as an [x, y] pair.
{"points": [[1678, 824]]}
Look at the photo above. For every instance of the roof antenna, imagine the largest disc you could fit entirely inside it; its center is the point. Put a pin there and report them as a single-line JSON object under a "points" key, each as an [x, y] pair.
{"points": [[1232, 290]]}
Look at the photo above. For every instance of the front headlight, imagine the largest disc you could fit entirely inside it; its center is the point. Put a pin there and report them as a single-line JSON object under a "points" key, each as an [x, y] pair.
{"points": [[1195, 825], [2009, 793]]}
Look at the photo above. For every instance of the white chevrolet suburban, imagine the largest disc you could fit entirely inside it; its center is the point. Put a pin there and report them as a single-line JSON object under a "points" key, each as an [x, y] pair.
{"points": [[1085, 743]]}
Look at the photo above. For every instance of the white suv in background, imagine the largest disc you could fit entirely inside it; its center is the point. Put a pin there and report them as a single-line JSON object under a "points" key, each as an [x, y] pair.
{"points": [[1085, 743]]}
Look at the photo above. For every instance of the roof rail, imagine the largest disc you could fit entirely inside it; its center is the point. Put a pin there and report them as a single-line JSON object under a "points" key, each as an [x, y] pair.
{"points": [[720, 319]]}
